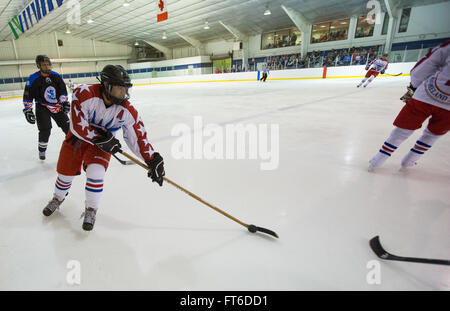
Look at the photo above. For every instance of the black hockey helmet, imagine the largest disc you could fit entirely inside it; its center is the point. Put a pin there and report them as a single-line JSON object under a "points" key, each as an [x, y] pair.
{"points": [[115, 75], [43, 58]]}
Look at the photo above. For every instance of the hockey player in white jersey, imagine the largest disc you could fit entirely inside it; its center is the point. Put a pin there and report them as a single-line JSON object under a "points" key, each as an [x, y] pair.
{"points": [[377, 66], [98, 111], [428, 95], [71, 86]]}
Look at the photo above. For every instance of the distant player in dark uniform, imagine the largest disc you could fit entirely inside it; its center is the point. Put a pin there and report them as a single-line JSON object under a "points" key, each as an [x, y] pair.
{"points": [[49, 92]]}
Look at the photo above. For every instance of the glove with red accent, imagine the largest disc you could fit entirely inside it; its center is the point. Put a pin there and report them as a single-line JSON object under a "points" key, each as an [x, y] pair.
{"points": [[156, 165]]}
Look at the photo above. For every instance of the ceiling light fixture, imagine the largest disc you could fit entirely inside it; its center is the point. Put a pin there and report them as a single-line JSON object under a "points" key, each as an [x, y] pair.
{"points": [[68, 31], [125, 4], [164, 36], [206, 26], [90, 20], [136, 43], [267, 11]]}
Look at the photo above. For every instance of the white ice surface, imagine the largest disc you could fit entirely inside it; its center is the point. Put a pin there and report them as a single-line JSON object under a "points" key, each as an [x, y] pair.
{"points": [[322, 201]]}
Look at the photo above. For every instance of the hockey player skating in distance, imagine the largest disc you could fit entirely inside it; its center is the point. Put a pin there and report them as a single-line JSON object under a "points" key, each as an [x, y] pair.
{"points": [[71, 86], [49, 92], [428, 95], [265, 73], [379, 65], [98, 111]]}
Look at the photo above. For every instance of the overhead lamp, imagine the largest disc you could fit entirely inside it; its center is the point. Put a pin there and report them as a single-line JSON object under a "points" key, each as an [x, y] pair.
{"points": [[206, 26], [164, 36], [90, 20], [125, 4], [136, 43], [68, 31], [267, 11]]}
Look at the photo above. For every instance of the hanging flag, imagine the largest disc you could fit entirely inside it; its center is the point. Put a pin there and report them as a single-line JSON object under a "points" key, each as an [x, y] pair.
{"points": [[162, 11]]}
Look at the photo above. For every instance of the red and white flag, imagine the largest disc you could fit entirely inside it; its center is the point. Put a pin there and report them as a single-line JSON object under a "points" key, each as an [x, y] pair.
{"points": [[162, 11]]}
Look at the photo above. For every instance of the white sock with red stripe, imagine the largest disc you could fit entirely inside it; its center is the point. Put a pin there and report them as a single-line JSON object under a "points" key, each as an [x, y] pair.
{"points": [[398, 135], [422, 144], [62, 186], [94, 184]]}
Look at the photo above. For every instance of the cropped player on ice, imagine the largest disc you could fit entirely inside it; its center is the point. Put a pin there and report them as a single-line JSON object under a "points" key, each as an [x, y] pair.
{"points": [[428, 95], [265, 73], [71, 86], [98, 112], [379, 65], [48, 90]]}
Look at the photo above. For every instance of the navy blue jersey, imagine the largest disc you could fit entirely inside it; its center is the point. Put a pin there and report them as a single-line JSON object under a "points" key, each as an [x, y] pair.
{"points": [[49, 91]]}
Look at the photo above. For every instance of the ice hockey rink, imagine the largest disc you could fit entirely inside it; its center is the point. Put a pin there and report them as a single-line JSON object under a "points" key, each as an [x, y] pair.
{"points": [[321, 200]]}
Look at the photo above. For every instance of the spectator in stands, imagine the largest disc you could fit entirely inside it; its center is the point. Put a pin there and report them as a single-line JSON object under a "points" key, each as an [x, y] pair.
{"points": [[293, 39]]}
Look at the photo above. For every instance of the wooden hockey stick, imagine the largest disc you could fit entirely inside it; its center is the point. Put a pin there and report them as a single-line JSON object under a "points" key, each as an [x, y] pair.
{"points": [[251, 228]]}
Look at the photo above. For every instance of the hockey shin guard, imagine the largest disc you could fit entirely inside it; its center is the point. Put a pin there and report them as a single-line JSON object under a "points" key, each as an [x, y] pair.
{"points": [[398, 135], [94, 184], [62, 186], [422, 144]]}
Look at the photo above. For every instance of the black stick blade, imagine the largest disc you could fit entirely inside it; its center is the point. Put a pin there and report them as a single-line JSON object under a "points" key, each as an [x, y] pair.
{"points": [[375, 245], [253, 229]]}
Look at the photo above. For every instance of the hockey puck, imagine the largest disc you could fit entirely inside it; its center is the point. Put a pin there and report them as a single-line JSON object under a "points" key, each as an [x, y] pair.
{"points": [[252, 228]]}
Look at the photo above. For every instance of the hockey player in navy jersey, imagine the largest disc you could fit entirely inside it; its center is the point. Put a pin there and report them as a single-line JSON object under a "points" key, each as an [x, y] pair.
{"points": [[49, 92], [98, 111]]}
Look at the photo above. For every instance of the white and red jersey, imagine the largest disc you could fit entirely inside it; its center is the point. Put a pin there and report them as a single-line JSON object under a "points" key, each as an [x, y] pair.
{"points": [[379, 64], [89, 112], [431, 77]]}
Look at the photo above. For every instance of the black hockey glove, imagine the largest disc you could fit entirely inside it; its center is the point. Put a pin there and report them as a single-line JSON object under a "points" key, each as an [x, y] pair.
{"points": [[107, 142], [367, 67], [65, 107], [29, 115], [382, 72], [407, 96], [156, 166]]}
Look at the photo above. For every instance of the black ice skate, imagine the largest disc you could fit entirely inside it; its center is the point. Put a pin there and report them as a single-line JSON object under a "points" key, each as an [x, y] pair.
{"points": [[42, 155], [52, 206], [89, 218]]}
